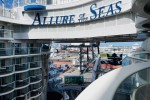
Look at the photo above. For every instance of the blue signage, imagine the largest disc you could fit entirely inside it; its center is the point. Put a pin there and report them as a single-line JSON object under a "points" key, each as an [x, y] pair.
{"points": [[96, 13]]}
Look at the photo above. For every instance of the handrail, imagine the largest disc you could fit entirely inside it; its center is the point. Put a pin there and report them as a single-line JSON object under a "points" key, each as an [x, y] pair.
{"points": [[102, 86]]}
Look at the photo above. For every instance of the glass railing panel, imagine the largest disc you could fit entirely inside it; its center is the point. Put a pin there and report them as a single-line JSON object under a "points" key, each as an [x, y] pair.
{"points": [[35, 78], [20, 83], [5, 52], [20, 51], [4, 33], [6, 88], [21, 92], [9, 96], [8, 13], [57, 2], [143, 55], [20, 67], [35, 64], [22, 76], [34, 50], [6, 70], [126, 61], [35, 86], [129, 87], [35, 72], [6, 80], [27, 2], [35, 92]]}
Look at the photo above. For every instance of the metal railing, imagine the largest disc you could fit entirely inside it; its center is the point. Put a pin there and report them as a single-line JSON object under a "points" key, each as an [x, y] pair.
{"points": [[35, 92], [9, 13], [20, 51], [6, 70], [6, 34], [35, 64], [35, 86], [58, 2], [134, 85], [139, 57], [6, 52], [35, 72], [7, 87], [35, 78], [21, 83], [34, 50], [21, 67], [27, 2]]}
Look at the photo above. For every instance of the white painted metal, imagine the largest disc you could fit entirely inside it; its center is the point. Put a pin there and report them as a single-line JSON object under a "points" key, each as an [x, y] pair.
{"points": [[105, 87]]}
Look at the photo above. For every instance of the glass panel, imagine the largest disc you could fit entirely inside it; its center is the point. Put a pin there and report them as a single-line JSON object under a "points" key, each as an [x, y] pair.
{"points": [[6, 70], [8, 3], [15, 3], [21, 2], [2, 45], [135, 87]]}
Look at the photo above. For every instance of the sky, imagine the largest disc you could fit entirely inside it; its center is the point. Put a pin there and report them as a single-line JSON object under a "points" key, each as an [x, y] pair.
{"points": [[120, 43], [105, 44]]}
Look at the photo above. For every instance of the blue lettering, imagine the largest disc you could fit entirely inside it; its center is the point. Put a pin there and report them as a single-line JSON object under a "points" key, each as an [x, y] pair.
{"points": [[37, 19], [93, 12], [118, 7], [57, 19], [44, 20], [51, 20], [101, 11], [71, 19], [65, 19], [110, 10]]}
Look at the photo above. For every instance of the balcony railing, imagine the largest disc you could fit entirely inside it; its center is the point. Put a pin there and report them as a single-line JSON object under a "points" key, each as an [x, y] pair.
{"points": [[36, 86], [22, 76], [58, 2], [21, 67], [23, 97], [35, 64], [7, 87], [6, 34], [35, 78], [20, 83], [6, 70], [27, 2], [9, 96], [23, 94], [20, 51], [5, 52], [34, 50], [136, 86], [35, 92], [9, 13], [35, 72], [139, 57]]}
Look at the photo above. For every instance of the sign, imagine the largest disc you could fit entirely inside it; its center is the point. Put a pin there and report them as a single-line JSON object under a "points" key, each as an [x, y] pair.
{"points": [[96, 13]]}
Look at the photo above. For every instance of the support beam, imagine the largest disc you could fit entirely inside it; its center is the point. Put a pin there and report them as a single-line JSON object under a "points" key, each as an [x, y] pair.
{"points": [[87, 54], [92, 52], [80, 58]]}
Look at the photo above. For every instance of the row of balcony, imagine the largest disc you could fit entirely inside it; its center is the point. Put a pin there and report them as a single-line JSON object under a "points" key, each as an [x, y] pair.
{"points": [[19, 67], [22, 51], [23, 94], [19, 84]]}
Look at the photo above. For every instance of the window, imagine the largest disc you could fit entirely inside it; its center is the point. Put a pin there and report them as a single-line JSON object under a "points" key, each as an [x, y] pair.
{"points": [[2, 62], [2, 45], [1, 31]]}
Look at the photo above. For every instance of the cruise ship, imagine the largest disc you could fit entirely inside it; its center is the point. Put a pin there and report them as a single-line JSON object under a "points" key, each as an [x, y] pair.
{"points": [[27, 28]]}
